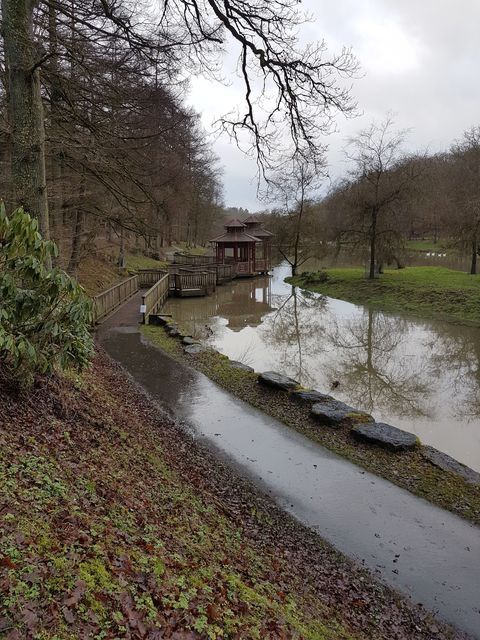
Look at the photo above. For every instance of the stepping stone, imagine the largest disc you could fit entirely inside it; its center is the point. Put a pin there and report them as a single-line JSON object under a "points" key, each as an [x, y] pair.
{"points": [[446, 463], [239, 365], [334, 412], [277, 381], [189, 340], [194, 349], [385, 436], [159, 320], [310, 396], [174, 333]]}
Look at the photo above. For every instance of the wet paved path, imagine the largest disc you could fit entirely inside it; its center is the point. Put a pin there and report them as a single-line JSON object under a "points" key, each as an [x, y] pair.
{"points": [[422, 550]]}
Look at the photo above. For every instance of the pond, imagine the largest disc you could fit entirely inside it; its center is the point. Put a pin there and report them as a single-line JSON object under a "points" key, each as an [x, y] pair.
{"points": [[420, 375]]}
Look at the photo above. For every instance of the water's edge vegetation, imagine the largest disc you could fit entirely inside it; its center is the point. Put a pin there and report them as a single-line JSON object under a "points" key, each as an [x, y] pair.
{"points": [[428, 292], [409, 469]]}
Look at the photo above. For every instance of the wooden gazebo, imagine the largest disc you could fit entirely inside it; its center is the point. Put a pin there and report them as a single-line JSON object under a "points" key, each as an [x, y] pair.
{"points": [[242, 245], [263, 248]]}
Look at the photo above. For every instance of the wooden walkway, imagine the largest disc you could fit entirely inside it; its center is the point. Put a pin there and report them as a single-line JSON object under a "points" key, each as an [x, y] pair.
{"points": [[157, 285], [186, 276]]}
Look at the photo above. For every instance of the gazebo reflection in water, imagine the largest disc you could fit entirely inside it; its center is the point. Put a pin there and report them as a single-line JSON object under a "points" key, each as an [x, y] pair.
{"points": [[249, 302], [241, 303]]}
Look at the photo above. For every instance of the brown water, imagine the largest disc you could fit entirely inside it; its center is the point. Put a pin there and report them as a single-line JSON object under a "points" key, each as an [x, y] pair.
{"points": [[422, 376]]}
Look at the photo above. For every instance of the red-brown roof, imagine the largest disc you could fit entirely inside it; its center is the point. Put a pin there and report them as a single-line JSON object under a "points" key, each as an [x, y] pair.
{"points": [[235, 236], [251, 219], [253, 226], [234, 224], [260, 233]]}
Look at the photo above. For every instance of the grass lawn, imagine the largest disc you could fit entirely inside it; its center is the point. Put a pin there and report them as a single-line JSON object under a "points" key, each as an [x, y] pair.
{"points": [[425, 245], [433, 292], [193, 251]]}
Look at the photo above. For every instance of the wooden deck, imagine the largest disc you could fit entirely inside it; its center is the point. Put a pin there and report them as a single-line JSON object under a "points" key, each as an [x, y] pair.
{"points": [[186, 277], [227, 270]]}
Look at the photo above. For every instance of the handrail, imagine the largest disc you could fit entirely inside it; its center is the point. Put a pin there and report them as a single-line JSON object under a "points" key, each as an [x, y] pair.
{"points": [[149, 277], [199, 280], [107, 301], [155, 297]]}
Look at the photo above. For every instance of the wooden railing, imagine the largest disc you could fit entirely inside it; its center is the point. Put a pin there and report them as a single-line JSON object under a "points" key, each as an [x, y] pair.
{"points": [[203, 282], [243, 267], [225, 272], [106, 302], [154, 299], [148, 277]]}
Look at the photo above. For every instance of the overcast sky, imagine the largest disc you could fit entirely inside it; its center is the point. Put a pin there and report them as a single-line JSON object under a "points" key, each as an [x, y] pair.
{"points": [[419, 60]]}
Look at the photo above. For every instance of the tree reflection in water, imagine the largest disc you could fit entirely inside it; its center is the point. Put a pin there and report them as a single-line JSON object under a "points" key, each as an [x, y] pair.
{"points": [[295, 331], [458, 351], [370, 364], [422, 376], [364, 356]]}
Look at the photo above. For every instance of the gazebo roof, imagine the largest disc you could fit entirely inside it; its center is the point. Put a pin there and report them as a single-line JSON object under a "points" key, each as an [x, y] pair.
{"points": [[253, 225], [261, 233], [234, 223], [251, 219], [235, 236]]}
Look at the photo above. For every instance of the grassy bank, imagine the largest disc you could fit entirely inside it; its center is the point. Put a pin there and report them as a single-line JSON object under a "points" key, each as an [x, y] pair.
{"points": [[430, 292], [409, 470], [115, 524], [139, 261], [425, 245], [98, 273]]}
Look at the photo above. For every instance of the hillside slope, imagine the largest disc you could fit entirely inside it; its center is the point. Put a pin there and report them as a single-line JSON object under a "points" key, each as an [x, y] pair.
{"points": [[115, 524]]}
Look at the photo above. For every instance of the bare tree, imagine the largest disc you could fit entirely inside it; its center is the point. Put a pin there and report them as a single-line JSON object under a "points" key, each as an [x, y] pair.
{"points": [[464, 226], [381, 178], [294, 188], [291, 93]]}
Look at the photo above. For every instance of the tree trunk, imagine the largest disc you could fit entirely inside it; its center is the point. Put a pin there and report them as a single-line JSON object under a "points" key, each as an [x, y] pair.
{"points": [[473, 267], [25, 111], [78, 230], [373, 245], [122, 263], [56, 191], [76, 242]]}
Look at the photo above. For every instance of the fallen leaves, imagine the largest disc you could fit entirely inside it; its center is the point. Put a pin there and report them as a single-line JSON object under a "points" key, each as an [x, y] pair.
{"points": [[77, 594], [134, 530]]}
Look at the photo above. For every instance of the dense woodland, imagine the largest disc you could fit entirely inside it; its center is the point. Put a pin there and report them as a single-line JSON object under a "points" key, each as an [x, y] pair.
{"points": [[123, 156], [96, 141], [389, 199]]}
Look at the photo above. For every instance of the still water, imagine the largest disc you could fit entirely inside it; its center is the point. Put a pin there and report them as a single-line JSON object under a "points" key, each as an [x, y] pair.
{"points": [[419, 375]]}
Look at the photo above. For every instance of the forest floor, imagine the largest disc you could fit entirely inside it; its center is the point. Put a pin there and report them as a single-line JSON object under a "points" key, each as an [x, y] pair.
{"points": [[429, 292], [116, 524]]}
